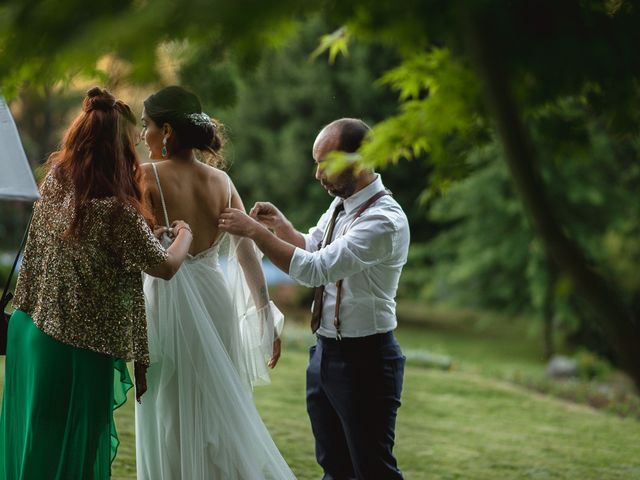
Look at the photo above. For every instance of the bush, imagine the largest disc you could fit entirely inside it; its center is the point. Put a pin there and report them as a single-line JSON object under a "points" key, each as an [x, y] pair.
{"points": [[591, 366]]}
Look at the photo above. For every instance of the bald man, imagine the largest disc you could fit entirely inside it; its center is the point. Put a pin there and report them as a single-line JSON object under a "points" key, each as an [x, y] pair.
{"points": [[354, 257]]}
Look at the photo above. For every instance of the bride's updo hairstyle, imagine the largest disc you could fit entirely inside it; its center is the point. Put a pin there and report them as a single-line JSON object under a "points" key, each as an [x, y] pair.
{"points": [[193, 129]]}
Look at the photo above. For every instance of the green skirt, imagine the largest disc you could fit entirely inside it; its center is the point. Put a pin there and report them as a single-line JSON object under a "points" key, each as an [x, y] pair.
{"points": [[57, 407]]}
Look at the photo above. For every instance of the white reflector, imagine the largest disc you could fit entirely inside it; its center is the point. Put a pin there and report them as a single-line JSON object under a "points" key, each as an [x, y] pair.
{"points": [[16, 178]]}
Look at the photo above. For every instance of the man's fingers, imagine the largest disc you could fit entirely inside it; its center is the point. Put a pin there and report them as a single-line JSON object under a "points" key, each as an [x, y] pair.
{"points": [[255, 210], [262, 208]]}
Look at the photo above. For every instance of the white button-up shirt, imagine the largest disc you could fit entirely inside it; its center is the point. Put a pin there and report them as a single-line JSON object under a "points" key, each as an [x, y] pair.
{"points": [[368, 254]]}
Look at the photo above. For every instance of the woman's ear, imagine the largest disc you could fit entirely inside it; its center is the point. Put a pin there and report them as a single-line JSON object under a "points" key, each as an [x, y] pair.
{"points": [[167, 130]]}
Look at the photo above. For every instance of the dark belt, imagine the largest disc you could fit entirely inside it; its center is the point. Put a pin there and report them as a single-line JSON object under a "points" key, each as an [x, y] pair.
{"points": [[379, 339]]}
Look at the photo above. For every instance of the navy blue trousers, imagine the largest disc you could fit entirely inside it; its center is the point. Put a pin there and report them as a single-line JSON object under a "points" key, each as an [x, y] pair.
{"points": [[353, 395]]}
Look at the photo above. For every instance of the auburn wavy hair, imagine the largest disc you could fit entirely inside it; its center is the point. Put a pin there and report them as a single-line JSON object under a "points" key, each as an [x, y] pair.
{"points": [[98, 156]]}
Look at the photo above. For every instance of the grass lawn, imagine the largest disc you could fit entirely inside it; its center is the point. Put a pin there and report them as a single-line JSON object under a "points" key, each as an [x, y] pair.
{"points": [[456, 424]]}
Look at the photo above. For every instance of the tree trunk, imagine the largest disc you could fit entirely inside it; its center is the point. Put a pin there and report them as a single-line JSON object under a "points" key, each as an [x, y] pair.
{"points": [[614, 315]]}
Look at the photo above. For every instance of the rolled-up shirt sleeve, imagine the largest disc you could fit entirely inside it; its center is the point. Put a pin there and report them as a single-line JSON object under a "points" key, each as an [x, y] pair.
{"points": [[311, 240], [368, 242]]}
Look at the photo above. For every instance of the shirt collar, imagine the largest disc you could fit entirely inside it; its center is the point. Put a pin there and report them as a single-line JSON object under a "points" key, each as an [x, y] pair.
{"points": [[358, 198]]}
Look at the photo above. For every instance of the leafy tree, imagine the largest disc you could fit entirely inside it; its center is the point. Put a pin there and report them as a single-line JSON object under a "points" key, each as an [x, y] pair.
{"points": [[501, 52], [490, 256], [278, 107], [468, 68]]}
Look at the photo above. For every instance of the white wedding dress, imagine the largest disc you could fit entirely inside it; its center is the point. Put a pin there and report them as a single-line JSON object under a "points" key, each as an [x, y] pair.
{"points": [[209, 341]]}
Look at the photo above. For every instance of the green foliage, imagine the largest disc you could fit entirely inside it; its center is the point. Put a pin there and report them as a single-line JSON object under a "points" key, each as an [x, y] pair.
{"points": [[4, 275], [488, 255], [14, 217], [44, 42], [482, 258], [417, 278], [590, 366], [208, 70], [439, 116], [283, 103], [335, 43], [548, 53]]}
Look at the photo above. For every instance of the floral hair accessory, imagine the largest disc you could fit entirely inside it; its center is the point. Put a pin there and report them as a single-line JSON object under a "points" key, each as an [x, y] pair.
{"points": [[200, 119]]}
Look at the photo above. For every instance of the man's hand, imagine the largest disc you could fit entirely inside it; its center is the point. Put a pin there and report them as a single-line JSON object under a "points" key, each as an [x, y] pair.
{"points": [[140, 374], [269, 215], [275, 356], [236, 222], [272, 218], [277, 250]]}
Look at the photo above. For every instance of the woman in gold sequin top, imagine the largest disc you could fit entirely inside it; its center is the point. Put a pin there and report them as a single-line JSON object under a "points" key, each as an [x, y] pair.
{"points": [[79, 302]]}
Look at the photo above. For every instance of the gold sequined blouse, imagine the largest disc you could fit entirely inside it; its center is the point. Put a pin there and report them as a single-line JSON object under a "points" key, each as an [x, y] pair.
{"points": [[88, 292]]}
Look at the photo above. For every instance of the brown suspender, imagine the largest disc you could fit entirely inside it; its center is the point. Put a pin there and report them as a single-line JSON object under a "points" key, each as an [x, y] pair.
{"points": [[367, 204]]}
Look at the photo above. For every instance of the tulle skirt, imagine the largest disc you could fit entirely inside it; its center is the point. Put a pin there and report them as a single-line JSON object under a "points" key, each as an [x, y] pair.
{"points": [[57, 409], [198, 420]]}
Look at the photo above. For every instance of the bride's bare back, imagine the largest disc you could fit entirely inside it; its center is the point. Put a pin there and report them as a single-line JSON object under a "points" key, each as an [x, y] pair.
{"points": [[193, 192]]}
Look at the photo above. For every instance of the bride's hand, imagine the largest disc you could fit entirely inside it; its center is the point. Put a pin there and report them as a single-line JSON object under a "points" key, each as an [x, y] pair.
{"points": [[275, 356], [140, 374]]}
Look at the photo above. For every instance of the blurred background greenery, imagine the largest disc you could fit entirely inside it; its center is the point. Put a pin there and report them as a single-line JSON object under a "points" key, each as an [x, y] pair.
{"points": [[508, 131]]}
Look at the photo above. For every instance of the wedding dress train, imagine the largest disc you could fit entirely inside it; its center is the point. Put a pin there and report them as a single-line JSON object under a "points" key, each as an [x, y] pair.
{"points": [[210, 334]]}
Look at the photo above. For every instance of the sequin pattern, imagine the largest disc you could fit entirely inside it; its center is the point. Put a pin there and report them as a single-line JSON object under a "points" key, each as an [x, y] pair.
{"points": [[88, 293]]}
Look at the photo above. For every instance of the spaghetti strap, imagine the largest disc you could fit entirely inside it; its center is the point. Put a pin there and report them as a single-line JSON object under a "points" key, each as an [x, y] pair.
{"points": [[229, 189], [164, 206]]}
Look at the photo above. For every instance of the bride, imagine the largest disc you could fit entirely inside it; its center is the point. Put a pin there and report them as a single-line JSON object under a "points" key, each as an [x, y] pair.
{"points": [[212, 331]]}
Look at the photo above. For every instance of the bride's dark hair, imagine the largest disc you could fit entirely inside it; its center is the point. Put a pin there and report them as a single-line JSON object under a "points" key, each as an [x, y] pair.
{"points": [[182, 110]]}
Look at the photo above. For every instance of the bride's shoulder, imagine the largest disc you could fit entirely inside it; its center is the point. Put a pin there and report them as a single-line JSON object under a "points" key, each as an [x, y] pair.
{"points": [[214, 174], [146, 169]]}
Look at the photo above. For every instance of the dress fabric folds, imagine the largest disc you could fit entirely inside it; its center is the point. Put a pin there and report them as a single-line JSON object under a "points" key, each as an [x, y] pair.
{"points": [[198, 419], [57, 409]]}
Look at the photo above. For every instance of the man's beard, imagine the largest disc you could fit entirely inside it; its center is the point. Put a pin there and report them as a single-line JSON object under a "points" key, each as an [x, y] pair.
{"points": [[343, 190], [344, 186]]}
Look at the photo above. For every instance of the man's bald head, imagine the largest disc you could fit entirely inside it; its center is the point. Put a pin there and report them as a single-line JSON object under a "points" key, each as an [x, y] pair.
{"points": [[344, 135]]}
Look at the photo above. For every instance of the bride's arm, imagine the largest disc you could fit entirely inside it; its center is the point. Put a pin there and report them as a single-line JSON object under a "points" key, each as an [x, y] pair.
{"points": [[249, 261], [251, 265]]}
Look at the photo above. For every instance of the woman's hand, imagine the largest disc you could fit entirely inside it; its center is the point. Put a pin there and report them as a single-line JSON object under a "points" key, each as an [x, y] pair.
{"points": [[177, 227], [275, 356], [140, 374], [159, 231], [180, 232]]}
